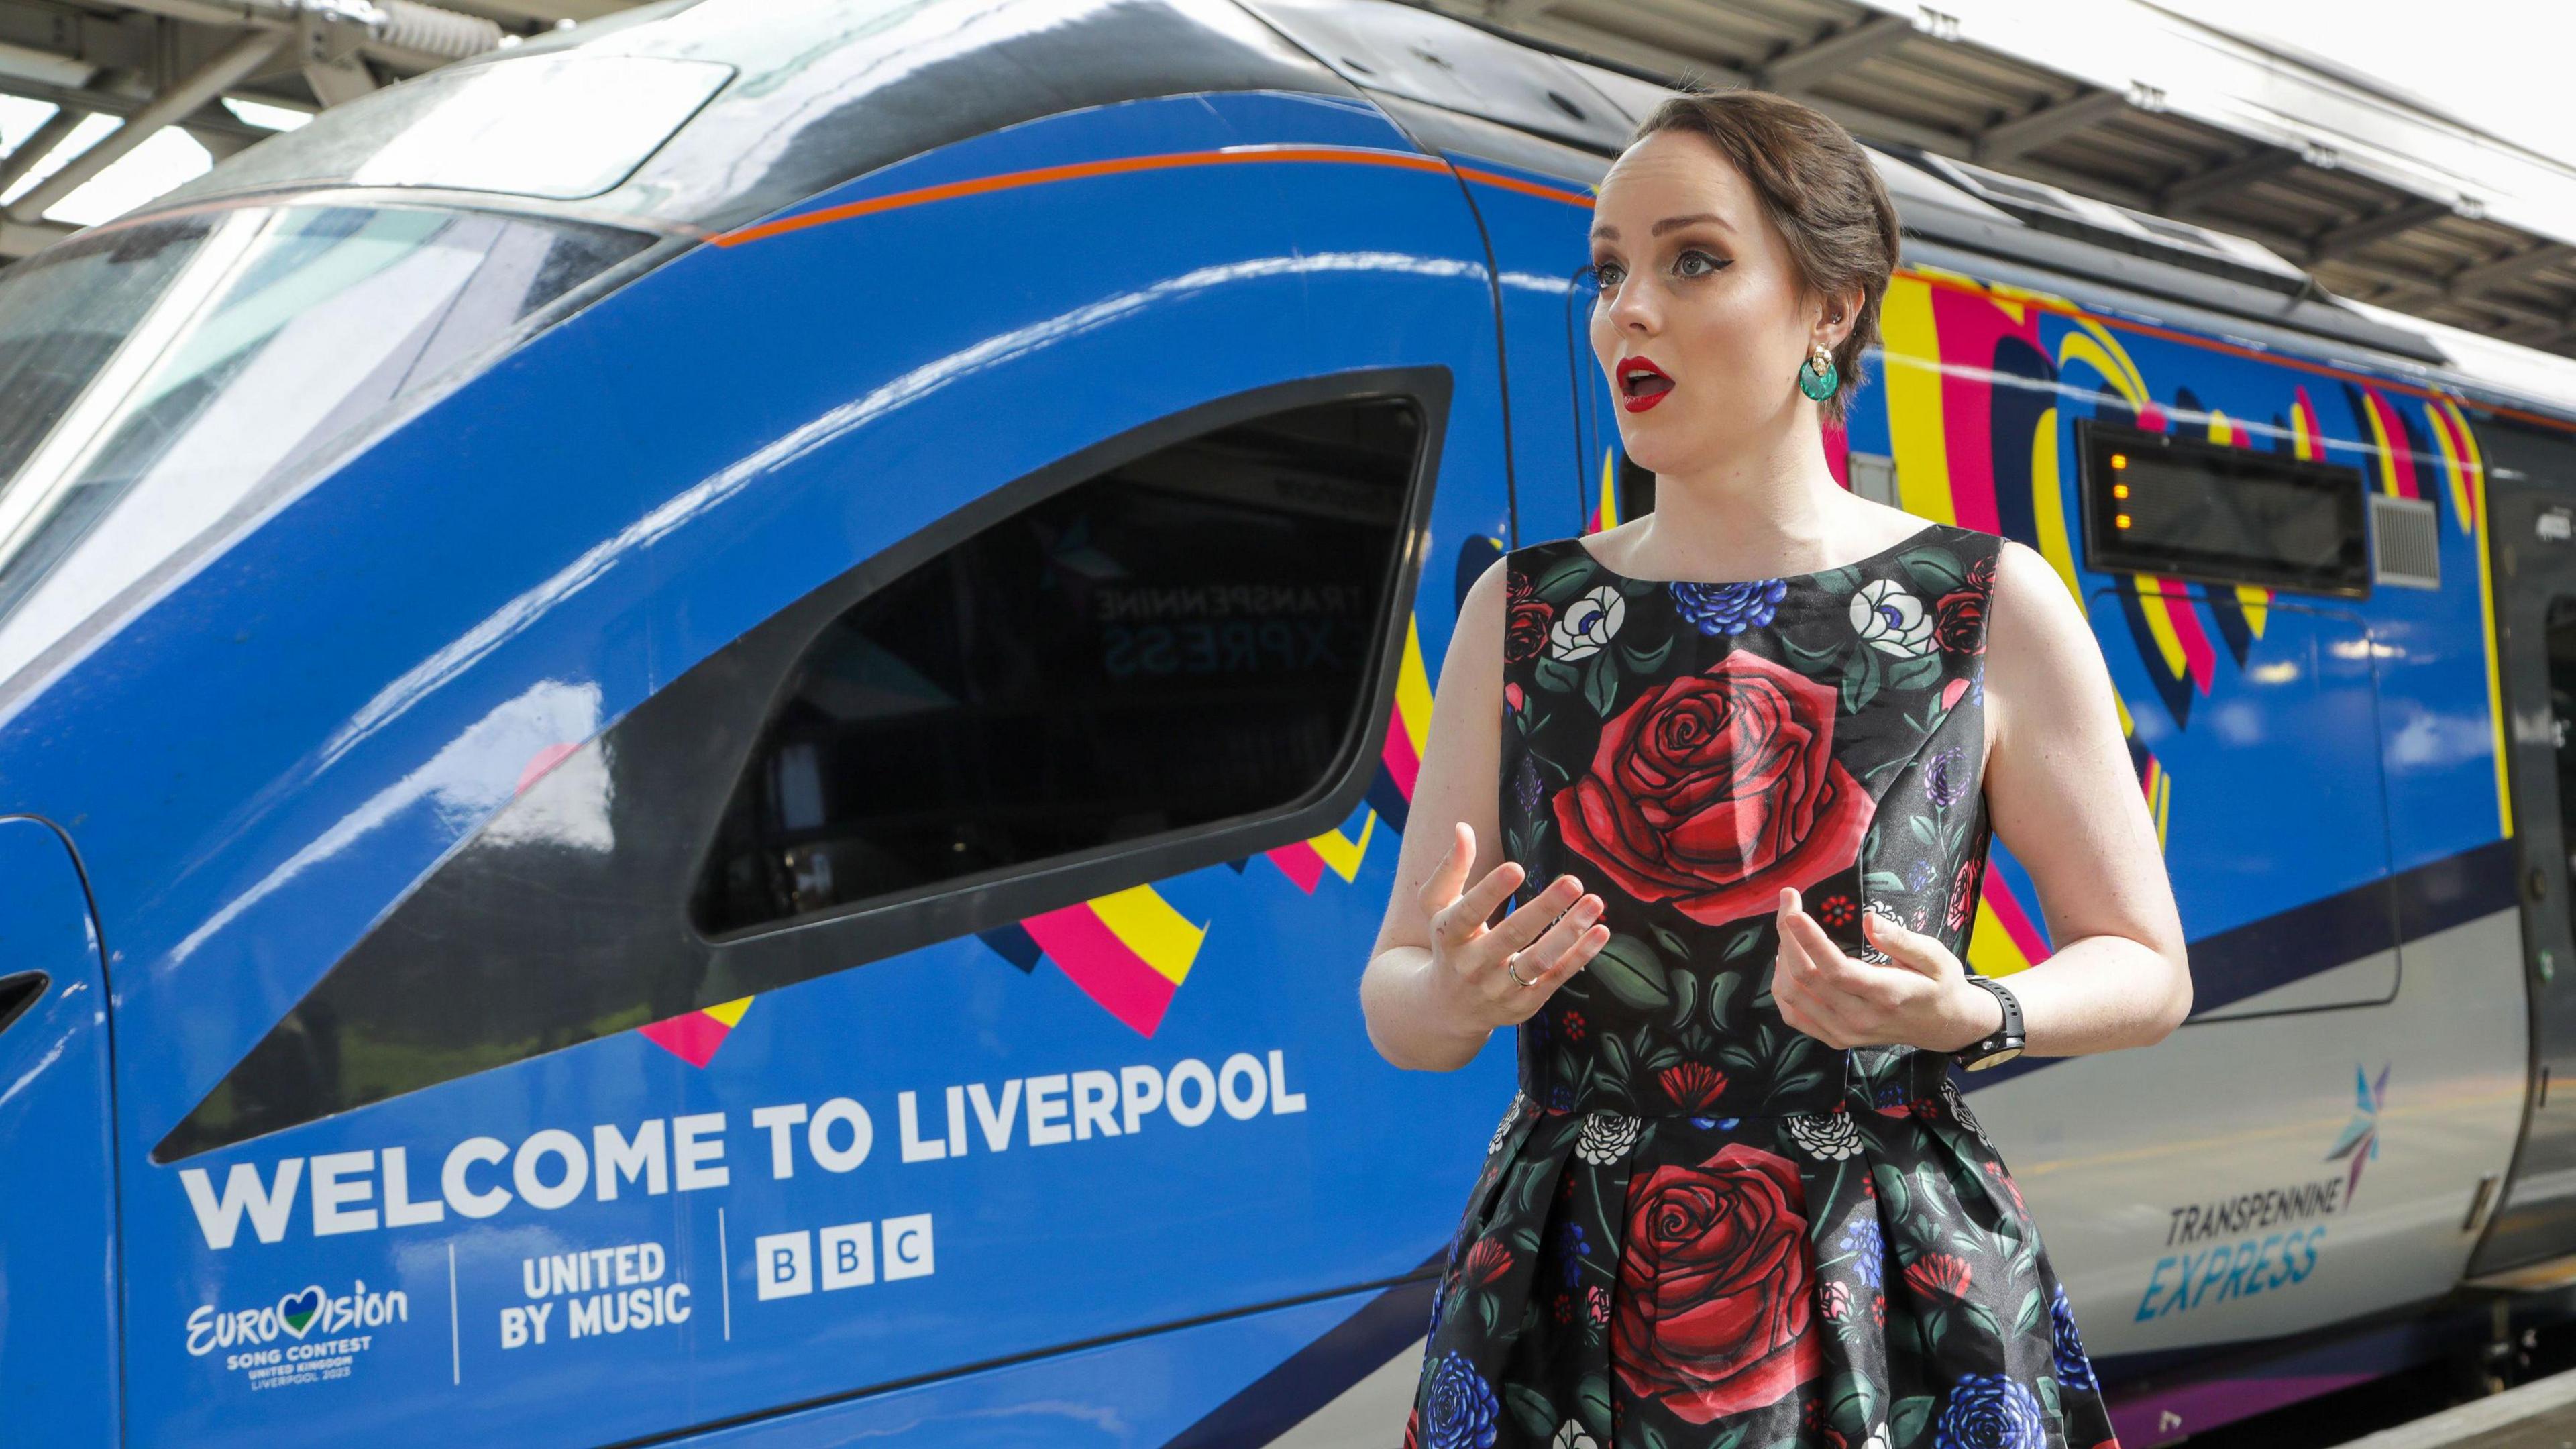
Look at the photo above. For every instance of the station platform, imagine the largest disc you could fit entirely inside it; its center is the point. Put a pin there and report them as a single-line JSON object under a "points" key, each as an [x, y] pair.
{"points": [[2537, 1415]]}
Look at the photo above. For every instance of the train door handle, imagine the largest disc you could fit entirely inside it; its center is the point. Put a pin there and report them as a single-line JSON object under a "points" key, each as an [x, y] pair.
{"points": [[2478, 1200]]}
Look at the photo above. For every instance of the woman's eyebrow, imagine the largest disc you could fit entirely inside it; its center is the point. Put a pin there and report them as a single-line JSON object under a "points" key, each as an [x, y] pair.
{"points": [[1611, 233]]}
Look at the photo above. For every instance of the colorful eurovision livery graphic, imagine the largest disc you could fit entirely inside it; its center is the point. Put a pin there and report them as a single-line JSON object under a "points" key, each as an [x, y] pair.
{"points": [[1967, 403]]}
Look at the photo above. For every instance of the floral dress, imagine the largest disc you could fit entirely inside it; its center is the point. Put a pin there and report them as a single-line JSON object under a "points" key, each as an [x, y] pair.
{"points": [[1697, 1225]]}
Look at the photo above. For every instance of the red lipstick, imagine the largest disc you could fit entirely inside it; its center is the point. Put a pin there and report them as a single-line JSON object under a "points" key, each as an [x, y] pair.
{"points": [[1642, 384]]}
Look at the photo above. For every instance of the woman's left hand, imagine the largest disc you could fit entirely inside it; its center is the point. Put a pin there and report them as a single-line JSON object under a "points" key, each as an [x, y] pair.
{"points": [[1920, 997]]}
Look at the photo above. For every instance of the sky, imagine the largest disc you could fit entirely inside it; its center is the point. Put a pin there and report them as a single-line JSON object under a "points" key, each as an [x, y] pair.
{"points": [[2501, 69], [2514, 90]]}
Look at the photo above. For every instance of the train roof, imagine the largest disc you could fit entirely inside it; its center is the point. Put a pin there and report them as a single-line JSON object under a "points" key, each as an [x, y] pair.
{"points": [[694, 116], [703, 115]]}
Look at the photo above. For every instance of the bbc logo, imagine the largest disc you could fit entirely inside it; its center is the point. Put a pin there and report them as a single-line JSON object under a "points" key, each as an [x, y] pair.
{"points": [[848, 1256]]}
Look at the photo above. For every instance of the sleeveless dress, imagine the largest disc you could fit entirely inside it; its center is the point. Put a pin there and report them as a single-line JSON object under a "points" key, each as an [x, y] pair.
{"points": [[1698, 1227]]}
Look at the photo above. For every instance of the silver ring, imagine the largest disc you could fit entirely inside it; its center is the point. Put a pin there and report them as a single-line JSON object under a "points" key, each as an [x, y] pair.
{"points": [[1511, 968]]}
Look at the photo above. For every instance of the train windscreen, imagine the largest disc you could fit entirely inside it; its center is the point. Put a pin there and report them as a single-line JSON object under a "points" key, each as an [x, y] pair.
{"points": [[157, 375]]}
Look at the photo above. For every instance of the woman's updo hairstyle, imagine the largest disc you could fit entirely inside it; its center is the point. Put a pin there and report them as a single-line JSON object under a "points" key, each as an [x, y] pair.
{"points": [[1821, 190]]}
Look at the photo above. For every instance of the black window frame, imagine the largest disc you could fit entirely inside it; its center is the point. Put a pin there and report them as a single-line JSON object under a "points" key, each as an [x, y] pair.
{"points": [[1007, 894], [2105, 551]]}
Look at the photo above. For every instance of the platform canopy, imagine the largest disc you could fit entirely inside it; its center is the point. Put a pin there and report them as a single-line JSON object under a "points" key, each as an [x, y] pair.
{"points": [[2376, 192]]}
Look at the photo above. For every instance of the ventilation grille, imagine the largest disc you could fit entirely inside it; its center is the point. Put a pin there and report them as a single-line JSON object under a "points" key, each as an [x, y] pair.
{"points": [[2406, 542]]}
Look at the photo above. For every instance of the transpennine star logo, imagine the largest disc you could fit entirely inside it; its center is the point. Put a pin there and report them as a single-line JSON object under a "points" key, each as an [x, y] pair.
{"points": [[2360, 1139]]}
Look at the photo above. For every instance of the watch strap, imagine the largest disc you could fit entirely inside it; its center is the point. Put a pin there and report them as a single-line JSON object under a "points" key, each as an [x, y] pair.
{"points": [[2009, 1034]]}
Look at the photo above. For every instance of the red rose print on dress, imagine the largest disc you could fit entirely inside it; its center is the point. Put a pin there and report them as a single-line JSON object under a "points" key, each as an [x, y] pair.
{"points": [[1962, 894], [1714, 790], [1959, 621], [1528, 620], [1716, 1287]]}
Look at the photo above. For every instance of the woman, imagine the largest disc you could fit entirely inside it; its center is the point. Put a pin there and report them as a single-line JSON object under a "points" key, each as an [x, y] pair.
{"points": [[1751, 748]]}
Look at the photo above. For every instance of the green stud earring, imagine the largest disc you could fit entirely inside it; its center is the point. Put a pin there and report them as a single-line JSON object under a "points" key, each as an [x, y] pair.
{"points": [[1817, 377]]}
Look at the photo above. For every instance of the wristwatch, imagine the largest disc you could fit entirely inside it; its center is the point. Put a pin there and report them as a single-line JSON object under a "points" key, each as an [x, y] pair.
{"points": [[2006, 1042]]}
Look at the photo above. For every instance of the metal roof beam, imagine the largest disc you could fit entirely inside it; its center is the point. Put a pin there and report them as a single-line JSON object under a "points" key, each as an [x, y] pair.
{"points": [[1669, 63], [333, 66], [2409, 213], [1796, 69], [2536, 329], [2539, 335], [63, 46], [2085, 184], [1619, 49], [405, 31], [173, 104], [1874, 126], [2188, 193], [2534, 323], [2479, 276], [2008, 141], [211, 119], [231, 13], [338, 81]]}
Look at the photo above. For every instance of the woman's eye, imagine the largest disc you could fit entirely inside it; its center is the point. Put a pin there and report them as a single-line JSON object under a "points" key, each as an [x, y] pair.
{"points": [[1715, 263], [1603, 276]]}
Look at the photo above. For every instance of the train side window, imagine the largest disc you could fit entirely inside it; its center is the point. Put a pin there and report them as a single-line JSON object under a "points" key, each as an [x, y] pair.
{"points": [[2561, 629], [1184, 639]]}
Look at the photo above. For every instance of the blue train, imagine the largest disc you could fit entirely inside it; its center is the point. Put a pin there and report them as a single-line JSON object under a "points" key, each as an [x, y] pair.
{"points": [[701, 727]]}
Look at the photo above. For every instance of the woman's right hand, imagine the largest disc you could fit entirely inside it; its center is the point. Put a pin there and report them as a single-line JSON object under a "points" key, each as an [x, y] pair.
{"points": [[1545, 941]]}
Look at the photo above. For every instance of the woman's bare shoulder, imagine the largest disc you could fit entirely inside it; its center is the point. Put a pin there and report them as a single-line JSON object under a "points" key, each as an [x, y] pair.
{"points": [[2042, 661], [2044, 600]]}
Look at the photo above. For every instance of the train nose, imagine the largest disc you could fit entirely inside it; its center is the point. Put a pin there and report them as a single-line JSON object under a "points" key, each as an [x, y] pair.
{"points": [[54, 1131]]}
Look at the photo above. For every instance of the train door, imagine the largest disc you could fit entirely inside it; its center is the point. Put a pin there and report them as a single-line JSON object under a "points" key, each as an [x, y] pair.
{"points": [[2531, 492], [1535, 200], [58, 1247], [1530, 137]]}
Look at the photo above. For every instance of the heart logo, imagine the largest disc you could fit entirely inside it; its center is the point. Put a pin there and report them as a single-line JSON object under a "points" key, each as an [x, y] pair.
{"points": [[296, 1311]]}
